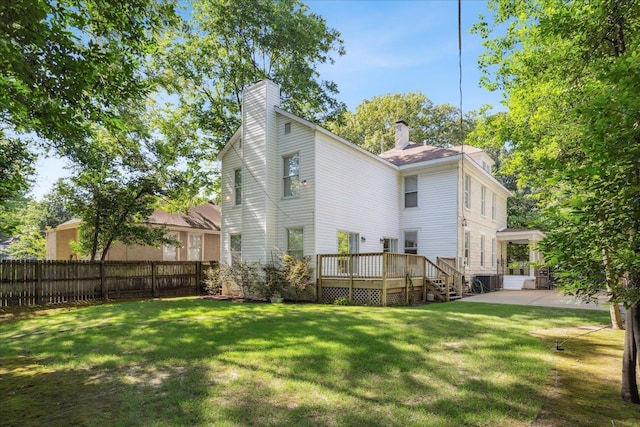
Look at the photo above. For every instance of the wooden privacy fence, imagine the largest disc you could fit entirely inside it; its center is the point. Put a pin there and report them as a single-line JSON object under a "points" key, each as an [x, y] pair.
{"points": [[50, 282]]}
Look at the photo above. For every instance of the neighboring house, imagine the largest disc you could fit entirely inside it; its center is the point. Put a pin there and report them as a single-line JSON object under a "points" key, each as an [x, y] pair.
{"points": [[198, 233], [291, 185]]}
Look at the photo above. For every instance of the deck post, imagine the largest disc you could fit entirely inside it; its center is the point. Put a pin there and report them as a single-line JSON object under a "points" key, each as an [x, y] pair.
{"points": [[319, 277], [406, 279], [383, 297], [351, 261], [424, 279]]}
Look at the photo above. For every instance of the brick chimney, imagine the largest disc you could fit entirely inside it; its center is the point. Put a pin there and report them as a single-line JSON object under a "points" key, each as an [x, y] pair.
{"points": [[402, 134]]}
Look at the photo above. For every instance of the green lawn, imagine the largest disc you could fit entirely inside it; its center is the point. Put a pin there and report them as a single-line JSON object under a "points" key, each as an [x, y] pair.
{"points": [[203, 362]]}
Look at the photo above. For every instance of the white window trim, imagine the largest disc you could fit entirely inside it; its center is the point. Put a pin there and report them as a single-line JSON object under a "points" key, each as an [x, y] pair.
{"points": [[483, 201], [176, 235], [404, 241], [235, 188], [494, 206], [467, 191], [201, 246], [231, 251], [406, 192], [294, 192], [286, 233], [483, 251]]}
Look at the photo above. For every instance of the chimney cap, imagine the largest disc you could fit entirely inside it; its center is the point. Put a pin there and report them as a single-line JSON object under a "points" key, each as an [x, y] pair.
{"points": [[403, 122]]}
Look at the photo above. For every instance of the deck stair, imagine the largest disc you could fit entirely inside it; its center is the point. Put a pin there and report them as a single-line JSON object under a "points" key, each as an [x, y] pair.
{"points": [[439, 289], [442, 282]]}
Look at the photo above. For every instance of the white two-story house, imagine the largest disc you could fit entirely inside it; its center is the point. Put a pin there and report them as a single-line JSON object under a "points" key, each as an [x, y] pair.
{"points": [[291, 185]]}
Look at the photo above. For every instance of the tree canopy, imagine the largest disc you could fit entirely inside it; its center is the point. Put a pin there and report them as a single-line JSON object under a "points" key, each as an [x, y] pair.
{"points": [[67, 65], [570, 73], [227, 46], [371, 126]]}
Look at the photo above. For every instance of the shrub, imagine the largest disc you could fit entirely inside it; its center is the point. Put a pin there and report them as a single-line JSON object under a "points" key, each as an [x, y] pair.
{"points": [[296, 273]]}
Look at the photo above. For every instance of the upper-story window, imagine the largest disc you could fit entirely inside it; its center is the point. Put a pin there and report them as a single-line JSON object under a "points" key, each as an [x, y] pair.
{"points": [[486, 166], [411, 191], [291, 175], [237, 186], [494, 207], [287, 128], [467, 191], [483, 200]]}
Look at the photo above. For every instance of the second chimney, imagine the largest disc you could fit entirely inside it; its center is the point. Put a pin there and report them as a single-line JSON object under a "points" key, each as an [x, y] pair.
{"points": [[402, 135]]}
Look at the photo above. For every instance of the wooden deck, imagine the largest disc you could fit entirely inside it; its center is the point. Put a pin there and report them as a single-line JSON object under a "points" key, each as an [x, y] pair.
{"points": [[384, 279]]}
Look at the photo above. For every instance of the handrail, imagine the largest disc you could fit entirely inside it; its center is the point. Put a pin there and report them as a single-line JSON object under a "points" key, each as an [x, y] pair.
{"points": [[457, 274]]}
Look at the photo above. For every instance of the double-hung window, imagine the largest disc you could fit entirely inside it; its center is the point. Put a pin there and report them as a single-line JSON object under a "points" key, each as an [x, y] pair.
{"points": [[235, 244], [170, 251], [467, 191], [195, 247], [295, 242], [237, 186], [493, 206], [467, 248], [411, 242], [411, 191], [482, 241], [291, 175], [483, 200]]}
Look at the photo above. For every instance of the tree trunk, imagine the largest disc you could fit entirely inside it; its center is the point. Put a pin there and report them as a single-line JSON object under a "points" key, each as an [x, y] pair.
{"points": [[614, 309], [616, 318], [630, 356]]}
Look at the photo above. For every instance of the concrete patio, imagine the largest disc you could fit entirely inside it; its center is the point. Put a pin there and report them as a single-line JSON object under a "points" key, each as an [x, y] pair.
{"points": [[544, 298]]}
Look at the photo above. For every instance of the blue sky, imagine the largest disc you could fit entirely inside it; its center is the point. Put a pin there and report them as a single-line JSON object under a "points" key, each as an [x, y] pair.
{"points": [[400, 46], [392, 46]]}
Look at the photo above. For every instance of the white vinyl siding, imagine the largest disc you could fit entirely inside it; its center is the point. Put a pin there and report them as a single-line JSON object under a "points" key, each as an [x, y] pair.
{"points": [[298, 211], [355, 192], [436, 215]]}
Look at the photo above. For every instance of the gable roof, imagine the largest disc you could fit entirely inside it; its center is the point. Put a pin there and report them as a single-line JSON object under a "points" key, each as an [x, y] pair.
{"points": [[201, 217], [204, 217], [416, 153]]}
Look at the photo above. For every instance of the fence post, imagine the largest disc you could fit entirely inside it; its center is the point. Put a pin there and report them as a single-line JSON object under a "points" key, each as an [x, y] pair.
{"points": [[199, 277], [103, 282], [39, 283], [154, 288]]}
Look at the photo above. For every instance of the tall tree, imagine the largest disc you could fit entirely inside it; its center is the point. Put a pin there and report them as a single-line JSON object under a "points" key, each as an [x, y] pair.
{"points": [[121, 177], [229, 45], [570, 72], [67, 64], [371, 126]]}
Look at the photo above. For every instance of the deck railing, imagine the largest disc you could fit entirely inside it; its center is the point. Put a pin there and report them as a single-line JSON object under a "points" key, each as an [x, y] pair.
{"points": [[378, 278], [458, 277]]}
